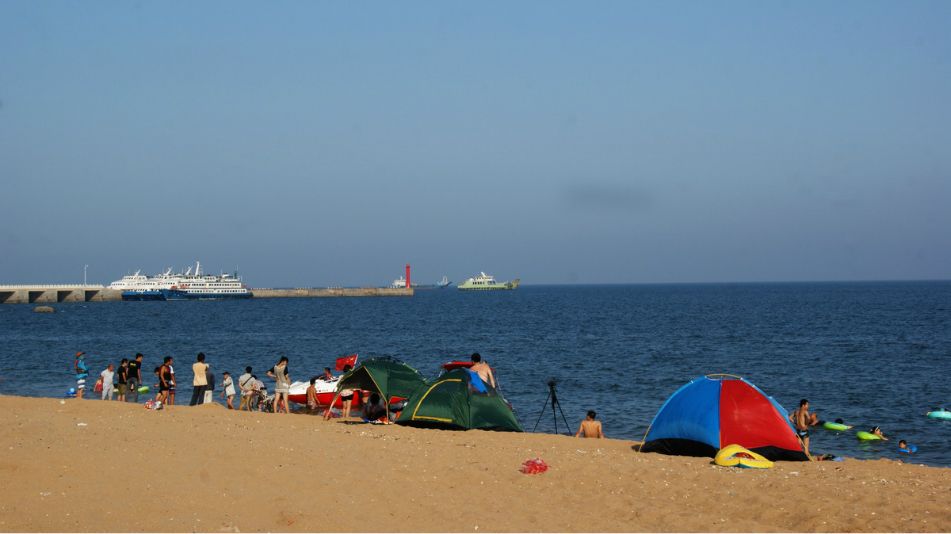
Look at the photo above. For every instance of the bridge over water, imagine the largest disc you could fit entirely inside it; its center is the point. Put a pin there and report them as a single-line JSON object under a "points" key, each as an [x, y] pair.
{"points": [[52, 293]]}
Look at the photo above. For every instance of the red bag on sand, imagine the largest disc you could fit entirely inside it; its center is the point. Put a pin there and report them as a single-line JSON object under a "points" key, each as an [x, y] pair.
{"points": [[534, 467]]}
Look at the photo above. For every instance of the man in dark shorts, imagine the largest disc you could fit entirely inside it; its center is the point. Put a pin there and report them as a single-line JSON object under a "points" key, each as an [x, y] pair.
{"points": [[122, 379], [134, 378], [802, 420], [165, 380]]}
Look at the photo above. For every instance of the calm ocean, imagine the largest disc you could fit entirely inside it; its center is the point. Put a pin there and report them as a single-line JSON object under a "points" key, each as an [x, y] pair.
{"points": [[870, 353]]}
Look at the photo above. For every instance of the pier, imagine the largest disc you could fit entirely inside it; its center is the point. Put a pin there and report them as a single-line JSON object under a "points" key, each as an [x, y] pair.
{"points": [[318, 292], [55, 293]]}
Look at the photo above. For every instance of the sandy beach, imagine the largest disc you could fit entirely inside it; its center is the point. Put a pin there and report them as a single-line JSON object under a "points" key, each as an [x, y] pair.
{"points": [[105, 466]]}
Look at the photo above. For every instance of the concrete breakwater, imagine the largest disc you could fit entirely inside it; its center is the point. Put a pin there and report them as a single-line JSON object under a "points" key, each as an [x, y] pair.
{"points": [[53, 293], [312, 292]]}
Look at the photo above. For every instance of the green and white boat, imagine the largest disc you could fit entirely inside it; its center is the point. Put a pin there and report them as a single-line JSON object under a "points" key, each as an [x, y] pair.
{"points": [[486, 282]]}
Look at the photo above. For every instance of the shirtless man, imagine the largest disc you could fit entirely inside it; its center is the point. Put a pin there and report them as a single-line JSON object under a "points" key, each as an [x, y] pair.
{"points": [[802, 420], [590, 427], [482, 369]]}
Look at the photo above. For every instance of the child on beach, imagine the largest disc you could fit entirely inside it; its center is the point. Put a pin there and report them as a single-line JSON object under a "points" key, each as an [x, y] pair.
{"points": [[260, 395], [107, 377], [227, 389], [81, 373], [312, 396], [590, 427]]}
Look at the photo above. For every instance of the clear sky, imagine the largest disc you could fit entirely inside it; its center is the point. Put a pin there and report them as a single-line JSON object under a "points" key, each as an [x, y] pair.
{"points": [[329, 143]]}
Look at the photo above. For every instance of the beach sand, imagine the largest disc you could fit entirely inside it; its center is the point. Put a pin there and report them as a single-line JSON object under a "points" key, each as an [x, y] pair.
{"points": [[105, 466]]}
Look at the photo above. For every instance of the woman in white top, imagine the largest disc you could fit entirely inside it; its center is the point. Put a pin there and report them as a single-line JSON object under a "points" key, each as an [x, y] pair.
{"points": [[282, 384], [228, 389], [200, 381]]}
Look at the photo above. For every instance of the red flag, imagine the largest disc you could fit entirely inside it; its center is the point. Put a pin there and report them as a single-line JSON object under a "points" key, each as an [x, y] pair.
{"points": [[343, 361]]}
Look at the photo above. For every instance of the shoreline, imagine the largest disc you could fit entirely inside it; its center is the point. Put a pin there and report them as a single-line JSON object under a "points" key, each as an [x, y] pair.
{"points": [[80, 466]]}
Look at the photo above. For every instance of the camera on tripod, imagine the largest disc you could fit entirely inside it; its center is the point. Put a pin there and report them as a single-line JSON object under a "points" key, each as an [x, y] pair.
{"points": [[553, 396]]}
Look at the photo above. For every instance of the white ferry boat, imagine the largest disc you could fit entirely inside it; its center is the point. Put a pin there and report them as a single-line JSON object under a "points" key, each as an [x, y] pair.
{"points": [[180, 286], [204, 287], [137, 286], [486, 282]]}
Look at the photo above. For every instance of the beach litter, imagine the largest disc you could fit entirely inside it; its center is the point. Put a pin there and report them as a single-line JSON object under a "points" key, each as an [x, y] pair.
{"points": [[535, 466]]}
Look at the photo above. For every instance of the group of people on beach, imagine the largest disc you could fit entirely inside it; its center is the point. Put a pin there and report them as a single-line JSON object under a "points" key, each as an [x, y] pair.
{"points": [[124, 383], [114, 383], [127, 379]]}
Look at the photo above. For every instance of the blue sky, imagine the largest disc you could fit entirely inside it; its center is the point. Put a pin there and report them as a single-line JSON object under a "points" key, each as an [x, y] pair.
{"points": [[319, 143]]}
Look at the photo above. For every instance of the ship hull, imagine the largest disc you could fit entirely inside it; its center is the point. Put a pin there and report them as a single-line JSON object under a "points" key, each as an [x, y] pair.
{"points": [[489, 287], [178, 294], [143, 295]]}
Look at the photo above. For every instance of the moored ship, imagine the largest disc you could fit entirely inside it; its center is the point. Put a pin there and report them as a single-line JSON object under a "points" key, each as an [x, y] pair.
{"points": [[190, 285], [400, 283], [487, 282]]}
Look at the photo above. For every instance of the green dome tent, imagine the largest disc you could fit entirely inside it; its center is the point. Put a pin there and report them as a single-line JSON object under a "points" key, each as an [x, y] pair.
{"points": [[451, 401], [391, 378]]}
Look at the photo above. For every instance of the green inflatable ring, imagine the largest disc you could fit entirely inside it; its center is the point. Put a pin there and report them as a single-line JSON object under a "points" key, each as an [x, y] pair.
{"points": [[828, 425], [143, 389], [866, 436]]}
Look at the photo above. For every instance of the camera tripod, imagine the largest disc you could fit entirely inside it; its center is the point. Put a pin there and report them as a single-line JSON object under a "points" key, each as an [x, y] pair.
{"points": [[553, 396]]}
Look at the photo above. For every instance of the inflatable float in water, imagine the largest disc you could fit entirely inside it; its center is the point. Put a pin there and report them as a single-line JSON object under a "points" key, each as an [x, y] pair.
{"points": [[910, 449], [737, 456], [838, 427], [867, 436], [939, 414]]}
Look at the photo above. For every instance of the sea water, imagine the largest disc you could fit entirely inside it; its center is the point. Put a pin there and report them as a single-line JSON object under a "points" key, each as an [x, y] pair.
{"points": [[869, 353]]}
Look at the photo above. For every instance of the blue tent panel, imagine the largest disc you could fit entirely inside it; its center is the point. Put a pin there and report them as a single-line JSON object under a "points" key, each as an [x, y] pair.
{"points": [[679, 418]]}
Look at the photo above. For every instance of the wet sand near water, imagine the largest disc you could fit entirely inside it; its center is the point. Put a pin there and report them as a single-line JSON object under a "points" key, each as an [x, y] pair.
{"points": [[105, 466]]}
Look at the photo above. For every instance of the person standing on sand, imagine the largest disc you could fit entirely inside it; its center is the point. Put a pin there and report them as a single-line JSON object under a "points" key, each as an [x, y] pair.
{"points": [[802, 420], [122, 378], [482, 369], [171, 387], [246, 384], [166, 382], [227, 389], [590, 427], [346, 399], [282, 379], [200, 380], [312, 396], [134, 378], [81, 373], [108, 382], [210, 390]]}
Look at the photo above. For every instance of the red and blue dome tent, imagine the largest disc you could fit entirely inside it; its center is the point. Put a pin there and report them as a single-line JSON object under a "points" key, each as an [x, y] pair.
{"points": [[714, 411]]}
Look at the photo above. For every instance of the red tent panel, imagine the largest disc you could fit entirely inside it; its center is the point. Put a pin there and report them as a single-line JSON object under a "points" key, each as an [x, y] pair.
{"points": [[749, 419]]}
